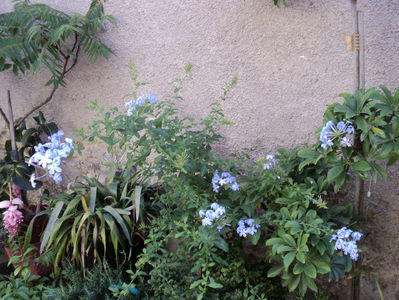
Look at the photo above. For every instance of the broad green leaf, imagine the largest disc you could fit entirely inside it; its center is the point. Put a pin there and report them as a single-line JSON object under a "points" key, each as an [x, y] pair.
{"points": [[274, 241], [333, 173], [53, 217], [298, 268], [288, 258], [300, 256], [378, 132], [293, 283], [289, 240], [310, 270], [93, 197], [120, 221], [273, 272], [322, 267], [361, 123], [215, 285], [361, 166]]}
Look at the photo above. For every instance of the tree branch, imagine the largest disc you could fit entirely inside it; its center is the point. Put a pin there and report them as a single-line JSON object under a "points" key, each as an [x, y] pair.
{"points": [[48, 99], [5, 118], [75, 60]]}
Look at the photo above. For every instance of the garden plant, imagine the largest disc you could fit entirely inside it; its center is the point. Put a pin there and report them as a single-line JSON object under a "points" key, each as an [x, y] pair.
{"points": [[32, 36], [279, 202], [243, 226]]}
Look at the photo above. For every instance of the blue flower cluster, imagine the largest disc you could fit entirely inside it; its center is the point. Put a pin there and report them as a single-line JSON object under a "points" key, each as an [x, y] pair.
{"points": [[224, 179], [48, 156], [247, 227], [213, 215], [346, 241], [330, 132], [270, 162], [141, 101]]}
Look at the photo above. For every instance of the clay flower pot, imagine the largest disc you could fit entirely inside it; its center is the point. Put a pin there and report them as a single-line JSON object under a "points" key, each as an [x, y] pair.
{"points": [[35, 267]]}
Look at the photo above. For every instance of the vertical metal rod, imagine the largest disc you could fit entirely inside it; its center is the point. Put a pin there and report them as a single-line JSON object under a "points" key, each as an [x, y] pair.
{"points": [[361, 66], [359, 187]]}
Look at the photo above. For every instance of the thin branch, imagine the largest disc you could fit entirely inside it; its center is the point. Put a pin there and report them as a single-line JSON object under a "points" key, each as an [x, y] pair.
{"points": [[12, 128], [76, 41], [75, 60], [5, 118], [48, 99]]}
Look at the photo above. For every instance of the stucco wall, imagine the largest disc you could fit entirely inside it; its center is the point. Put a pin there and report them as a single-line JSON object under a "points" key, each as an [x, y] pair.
{"points": [[290, 63]]}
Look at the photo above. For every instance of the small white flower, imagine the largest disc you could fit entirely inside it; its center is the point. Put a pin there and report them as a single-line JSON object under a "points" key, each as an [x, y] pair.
{"points": [[32, 180]]}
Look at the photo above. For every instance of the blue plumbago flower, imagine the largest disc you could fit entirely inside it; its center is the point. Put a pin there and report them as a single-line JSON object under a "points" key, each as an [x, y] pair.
{"points": [[330, 132], [345, 142], [213, 215], [345, 240], [270, 162], [140, 101], [48, 156], [224, 179], [247, 227]]}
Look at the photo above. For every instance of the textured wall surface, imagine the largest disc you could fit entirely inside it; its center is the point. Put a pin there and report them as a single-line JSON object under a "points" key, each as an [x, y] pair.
{"points": [[290, 63]]}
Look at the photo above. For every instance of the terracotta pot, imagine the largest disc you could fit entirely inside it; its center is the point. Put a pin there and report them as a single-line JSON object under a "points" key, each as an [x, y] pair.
{"points": [[35, 268]]}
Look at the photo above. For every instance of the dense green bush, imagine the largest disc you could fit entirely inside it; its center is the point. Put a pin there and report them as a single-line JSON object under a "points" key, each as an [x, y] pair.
{"points": [[95, 285]]}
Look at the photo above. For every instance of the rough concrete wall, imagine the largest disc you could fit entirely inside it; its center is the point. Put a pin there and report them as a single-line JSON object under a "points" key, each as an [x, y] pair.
{"points": [[290, 63]]}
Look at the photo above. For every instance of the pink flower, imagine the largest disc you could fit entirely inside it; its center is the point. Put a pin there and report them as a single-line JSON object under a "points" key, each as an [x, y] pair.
{"points": [[16, 190], [12, 218], [9, 203]]}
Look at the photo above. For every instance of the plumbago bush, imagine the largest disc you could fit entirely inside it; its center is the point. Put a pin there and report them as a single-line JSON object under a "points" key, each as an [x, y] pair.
{"points": [[216, 209]]}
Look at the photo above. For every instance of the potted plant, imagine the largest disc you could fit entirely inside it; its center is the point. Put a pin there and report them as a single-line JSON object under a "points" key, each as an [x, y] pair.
{"points": [[95, 222], [20, 219], [32, 36]]}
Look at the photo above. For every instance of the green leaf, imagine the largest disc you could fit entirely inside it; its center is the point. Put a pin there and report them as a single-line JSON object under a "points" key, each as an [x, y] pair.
{"points": [[378, 132], [310, 270], [93, 198], [300, 256], [361, 166], [289, 240], [222, 244], [309, 283], [273, 241], [333, 173], [293, 283], [273, 272], [298, 268], [361, 123], [51, 223], [120, 221], [288, 258], [215, 285], [322, 267], [255, 238], [349, 112]]}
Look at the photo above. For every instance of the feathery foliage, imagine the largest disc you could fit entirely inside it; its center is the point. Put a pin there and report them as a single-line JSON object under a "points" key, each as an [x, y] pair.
{"points": [[33, 35]]}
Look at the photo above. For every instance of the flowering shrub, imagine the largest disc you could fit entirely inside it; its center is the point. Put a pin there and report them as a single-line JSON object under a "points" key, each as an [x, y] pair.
{"points": [[274, 201], [371, 117]]}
